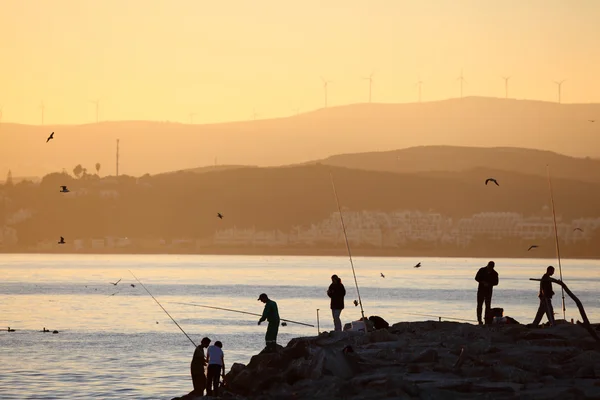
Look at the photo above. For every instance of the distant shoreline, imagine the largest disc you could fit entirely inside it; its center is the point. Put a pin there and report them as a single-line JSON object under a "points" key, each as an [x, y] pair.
{"points": [[314, 252]]}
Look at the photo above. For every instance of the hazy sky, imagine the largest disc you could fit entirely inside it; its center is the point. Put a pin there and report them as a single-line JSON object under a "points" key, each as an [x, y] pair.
{"points": [[162, 59]]}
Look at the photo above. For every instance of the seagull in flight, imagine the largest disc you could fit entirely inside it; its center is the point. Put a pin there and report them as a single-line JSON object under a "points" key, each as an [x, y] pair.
{"points": [[355, 303], [578, 229], [115, 282], [491, 180], [50, 137], [532, 247], [418, 265], [220, 215], [63, 189], [62, 240], [132, 285], [382, 275]]}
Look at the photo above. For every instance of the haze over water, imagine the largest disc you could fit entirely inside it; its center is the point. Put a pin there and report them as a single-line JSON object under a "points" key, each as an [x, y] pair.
{"points": [[111, 347]]}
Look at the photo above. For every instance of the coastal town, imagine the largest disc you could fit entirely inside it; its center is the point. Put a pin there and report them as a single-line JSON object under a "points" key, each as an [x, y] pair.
{"points": [[365, 229]]}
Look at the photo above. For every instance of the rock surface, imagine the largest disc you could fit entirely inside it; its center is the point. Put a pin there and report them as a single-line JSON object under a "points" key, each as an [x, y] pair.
{"points": [[427, 360]]}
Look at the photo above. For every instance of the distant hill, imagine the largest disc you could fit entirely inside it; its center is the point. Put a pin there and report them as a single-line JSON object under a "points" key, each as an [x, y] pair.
{"points": [[201, 170], [155, 147], [452, 159], [186, 204]]}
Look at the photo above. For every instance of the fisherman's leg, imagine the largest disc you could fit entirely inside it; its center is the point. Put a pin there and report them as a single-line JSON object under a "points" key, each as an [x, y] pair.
{"points": [[480, 297], [337, 323], [540, 312], [488, 307], [216, 380], [550, 311], [209, 380], [199, 382], [271, 336]]}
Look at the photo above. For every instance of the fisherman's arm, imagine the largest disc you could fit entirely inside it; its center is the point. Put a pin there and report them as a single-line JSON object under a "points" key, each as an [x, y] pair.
{"points": [[264, 314], [495, 279]]}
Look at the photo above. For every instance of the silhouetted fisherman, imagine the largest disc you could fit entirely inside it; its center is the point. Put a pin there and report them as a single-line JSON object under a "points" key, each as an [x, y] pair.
{"points": [[487, 278], [545, 296], [336, 292], [271, 314], [197, 367]]}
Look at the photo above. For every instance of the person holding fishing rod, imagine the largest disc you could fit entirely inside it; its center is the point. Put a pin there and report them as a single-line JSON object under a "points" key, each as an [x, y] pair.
{"points": [[271, 314], [336, 292], [197, 368]]}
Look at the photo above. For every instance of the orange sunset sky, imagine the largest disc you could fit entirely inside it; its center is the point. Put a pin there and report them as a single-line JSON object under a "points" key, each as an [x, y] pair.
{"points": [[162, 60]]}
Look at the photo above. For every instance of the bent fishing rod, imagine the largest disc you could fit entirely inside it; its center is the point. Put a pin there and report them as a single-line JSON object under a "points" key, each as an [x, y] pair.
{"points": [[556, 240], [241, 312], [347, 245], [163, 309]]}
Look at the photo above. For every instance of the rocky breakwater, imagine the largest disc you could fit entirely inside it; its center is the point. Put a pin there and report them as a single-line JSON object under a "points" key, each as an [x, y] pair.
{"points": [[427, 360]]}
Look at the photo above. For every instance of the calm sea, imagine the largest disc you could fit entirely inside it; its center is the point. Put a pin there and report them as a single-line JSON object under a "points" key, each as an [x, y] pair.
{"points": [[124, 346]]}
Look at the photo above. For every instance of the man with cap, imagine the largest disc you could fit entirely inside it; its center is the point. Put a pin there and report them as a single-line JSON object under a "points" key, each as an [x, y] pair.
{"points": [[197, 367], [271, 314], [487, 278]]}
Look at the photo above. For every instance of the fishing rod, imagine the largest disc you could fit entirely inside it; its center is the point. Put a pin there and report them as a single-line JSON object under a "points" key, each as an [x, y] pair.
{"points": [[556, 240], [241, 312], [347, 245], [163, 308], [440, 318]]}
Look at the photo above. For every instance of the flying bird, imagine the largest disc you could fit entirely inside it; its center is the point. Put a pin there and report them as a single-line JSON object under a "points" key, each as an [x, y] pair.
{"points": [[63, 189], [532, 247], [355, 303], [491, 180], [592, 120], [578, 229], [132, 285], [220, 215], [50, 137], [62, 240], [115, 282], [418, 265], [382, 275]]}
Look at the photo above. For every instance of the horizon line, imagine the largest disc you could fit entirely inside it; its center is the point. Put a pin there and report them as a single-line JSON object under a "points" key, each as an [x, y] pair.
{"points": [[312, 111]]}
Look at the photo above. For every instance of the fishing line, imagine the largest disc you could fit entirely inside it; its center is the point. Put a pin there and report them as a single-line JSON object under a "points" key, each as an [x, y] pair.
{"points": [[241, 312], [163, 309], [556, 240], [347, 245]]}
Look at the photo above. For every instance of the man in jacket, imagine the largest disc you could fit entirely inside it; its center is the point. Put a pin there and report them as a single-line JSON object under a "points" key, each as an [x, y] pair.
{"points": [[336, 292], [271, 314], [487, 278], [545, 296]]}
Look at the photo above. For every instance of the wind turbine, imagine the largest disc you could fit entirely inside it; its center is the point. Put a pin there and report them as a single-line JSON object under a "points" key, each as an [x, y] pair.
{"points": [[419, 84], [192, 115], [559, 83], [370, 79], [506, 78], [462, 80], [97, 103], [325, 84], [254, 114], [43, 107]]}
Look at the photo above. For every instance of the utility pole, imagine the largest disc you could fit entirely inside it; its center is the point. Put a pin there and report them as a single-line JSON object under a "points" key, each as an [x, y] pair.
{"points": [[117, 157]]}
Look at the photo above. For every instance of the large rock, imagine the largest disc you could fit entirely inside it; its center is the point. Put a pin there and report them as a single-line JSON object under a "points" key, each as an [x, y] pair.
{"points": [[419, 360]]}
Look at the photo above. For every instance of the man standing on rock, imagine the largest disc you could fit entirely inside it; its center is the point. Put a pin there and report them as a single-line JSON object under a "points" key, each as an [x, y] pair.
{"points": [[271, 314], [336, 292], [545, 296], [487, 278], [197, 367]]}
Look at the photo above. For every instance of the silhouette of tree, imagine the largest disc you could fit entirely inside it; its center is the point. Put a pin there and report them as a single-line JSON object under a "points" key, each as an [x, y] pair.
{"points": [[98, 168], [9, 179], [78, 170]]}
